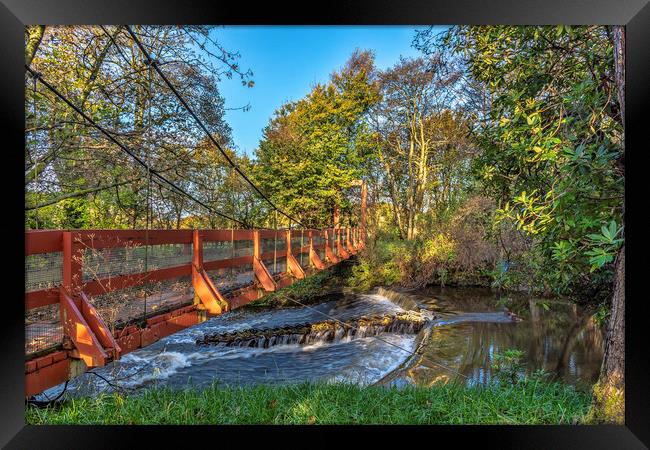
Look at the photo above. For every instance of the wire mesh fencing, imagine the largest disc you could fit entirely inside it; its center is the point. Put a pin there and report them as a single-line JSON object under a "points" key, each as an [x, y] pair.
{"points": [[43, 329], [43, 271], [220, 250], [133, 305], [229, 279], [276, 266], [128, 282], [100, 264]]}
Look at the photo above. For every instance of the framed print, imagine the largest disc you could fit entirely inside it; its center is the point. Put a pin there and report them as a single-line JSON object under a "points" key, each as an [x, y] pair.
{"points": [[409, 215]]}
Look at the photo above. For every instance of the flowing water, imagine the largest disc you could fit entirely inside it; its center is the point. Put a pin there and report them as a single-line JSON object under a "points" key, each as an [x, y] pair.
{"points": [[470, 327]]}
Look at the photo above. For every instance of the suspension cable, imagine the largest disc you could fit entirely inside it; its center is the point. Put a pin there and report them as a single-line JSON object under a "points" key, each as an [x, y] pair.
{"points": [[126, 149], [180, 98]]}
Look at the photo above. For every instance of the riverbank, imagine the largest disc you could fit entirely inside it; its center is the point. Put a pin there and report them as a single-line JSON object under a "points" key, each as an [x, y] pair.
{"points": [[530, 402], [316, 288]]}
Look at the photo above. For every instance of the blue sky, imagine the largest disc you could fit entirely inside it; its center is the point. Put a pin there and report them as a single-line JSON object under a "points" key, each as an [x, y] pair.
{"points": [[288, 60]]}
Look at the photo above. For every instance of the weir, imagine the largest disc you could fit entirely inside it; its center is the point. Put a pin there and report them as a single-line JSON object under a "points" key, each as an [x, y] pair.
{"points": [[325, 331], [92, 296]]}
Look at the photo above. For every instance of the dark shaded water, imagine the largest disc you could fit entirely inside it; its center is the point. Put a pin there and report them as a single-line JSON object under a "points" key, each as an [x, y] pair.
{"points": [[556, 336], [472, 327]]}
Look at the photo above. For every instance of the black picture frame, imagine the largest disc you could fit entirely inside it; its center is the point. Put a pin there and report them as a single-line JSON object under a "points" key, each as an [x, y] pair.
{"points": [[15, 14]]}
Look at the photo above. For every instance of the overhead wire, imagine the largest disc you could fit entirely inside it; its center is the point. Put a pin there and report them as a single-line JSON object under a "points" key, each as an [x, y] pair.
{"points": [[125, 149], [152, 62], [183, 102]]}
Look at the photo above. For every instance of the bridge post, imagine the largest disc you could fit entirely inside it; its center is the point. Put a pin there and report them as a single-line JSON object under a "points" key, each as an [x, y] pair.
{"points": [[259, 269], [293, 266], [197, 265], [348, 245], [329, 244], [72, 258], [205, 292], [339, 245], [79, 319], [313, 254]]}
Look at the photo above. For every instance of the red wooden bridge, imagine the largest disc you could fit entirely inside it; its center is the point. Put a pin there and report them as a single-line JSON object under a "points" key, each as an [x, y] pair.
{"points": [[92, 296]]}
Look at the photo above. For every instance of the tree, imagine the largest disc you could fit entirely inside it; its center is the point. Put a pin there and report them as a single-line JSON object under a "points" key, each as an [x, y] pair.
{"points": [[552, 155], [609, 393], [311, 151], [549, 146], [102, 71], [421, 142]]}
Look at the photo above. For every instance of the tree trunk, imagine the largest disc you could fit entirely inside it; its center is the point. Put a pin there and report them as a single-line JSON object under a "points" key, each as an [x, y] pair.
{"points": [[336, 215], [364, 207], [609, 392], [619, 63], [34, 37]]}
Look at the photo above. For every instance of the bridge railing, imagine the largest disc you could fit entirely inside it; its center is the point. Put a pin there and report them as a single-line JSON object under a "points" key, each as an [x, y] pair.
{"points": [[128, 288]]}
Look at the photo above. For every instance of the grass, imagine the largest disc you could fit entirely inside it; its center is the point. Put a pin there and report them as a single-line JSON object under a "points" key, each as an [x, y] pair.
{"points": [[530, 402], [309, 290]]}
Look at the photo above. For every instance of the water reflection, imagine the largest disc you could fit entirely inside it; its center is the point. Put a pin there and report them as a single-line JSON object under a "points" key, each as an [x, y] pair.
{"points": [[556, 336]]}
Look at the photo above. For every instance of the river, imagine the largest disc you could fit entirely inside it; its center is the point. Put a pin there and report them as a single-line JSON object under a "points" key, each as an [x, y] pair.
{"points": [[471, 326]]}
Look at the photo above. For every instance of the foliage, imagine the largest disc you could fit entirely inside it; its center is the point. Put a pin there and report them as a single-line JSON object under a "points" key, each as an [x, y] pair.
{"points": [[309, 290], [551, 140], [608, 406], [601, 314], [532, 402], [459, 250], [508, 365], [312, 149], [376, 265], [75, 177], [420, 141]]}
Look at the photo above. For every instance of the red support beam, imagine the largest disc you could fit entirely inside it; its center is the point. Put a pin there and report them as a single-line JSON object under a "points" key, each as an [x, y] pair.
{"points": [[77, 329], [205, 293], [262, 274], [313, 254], [99, 328], [293, 266], [330, 242]]}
